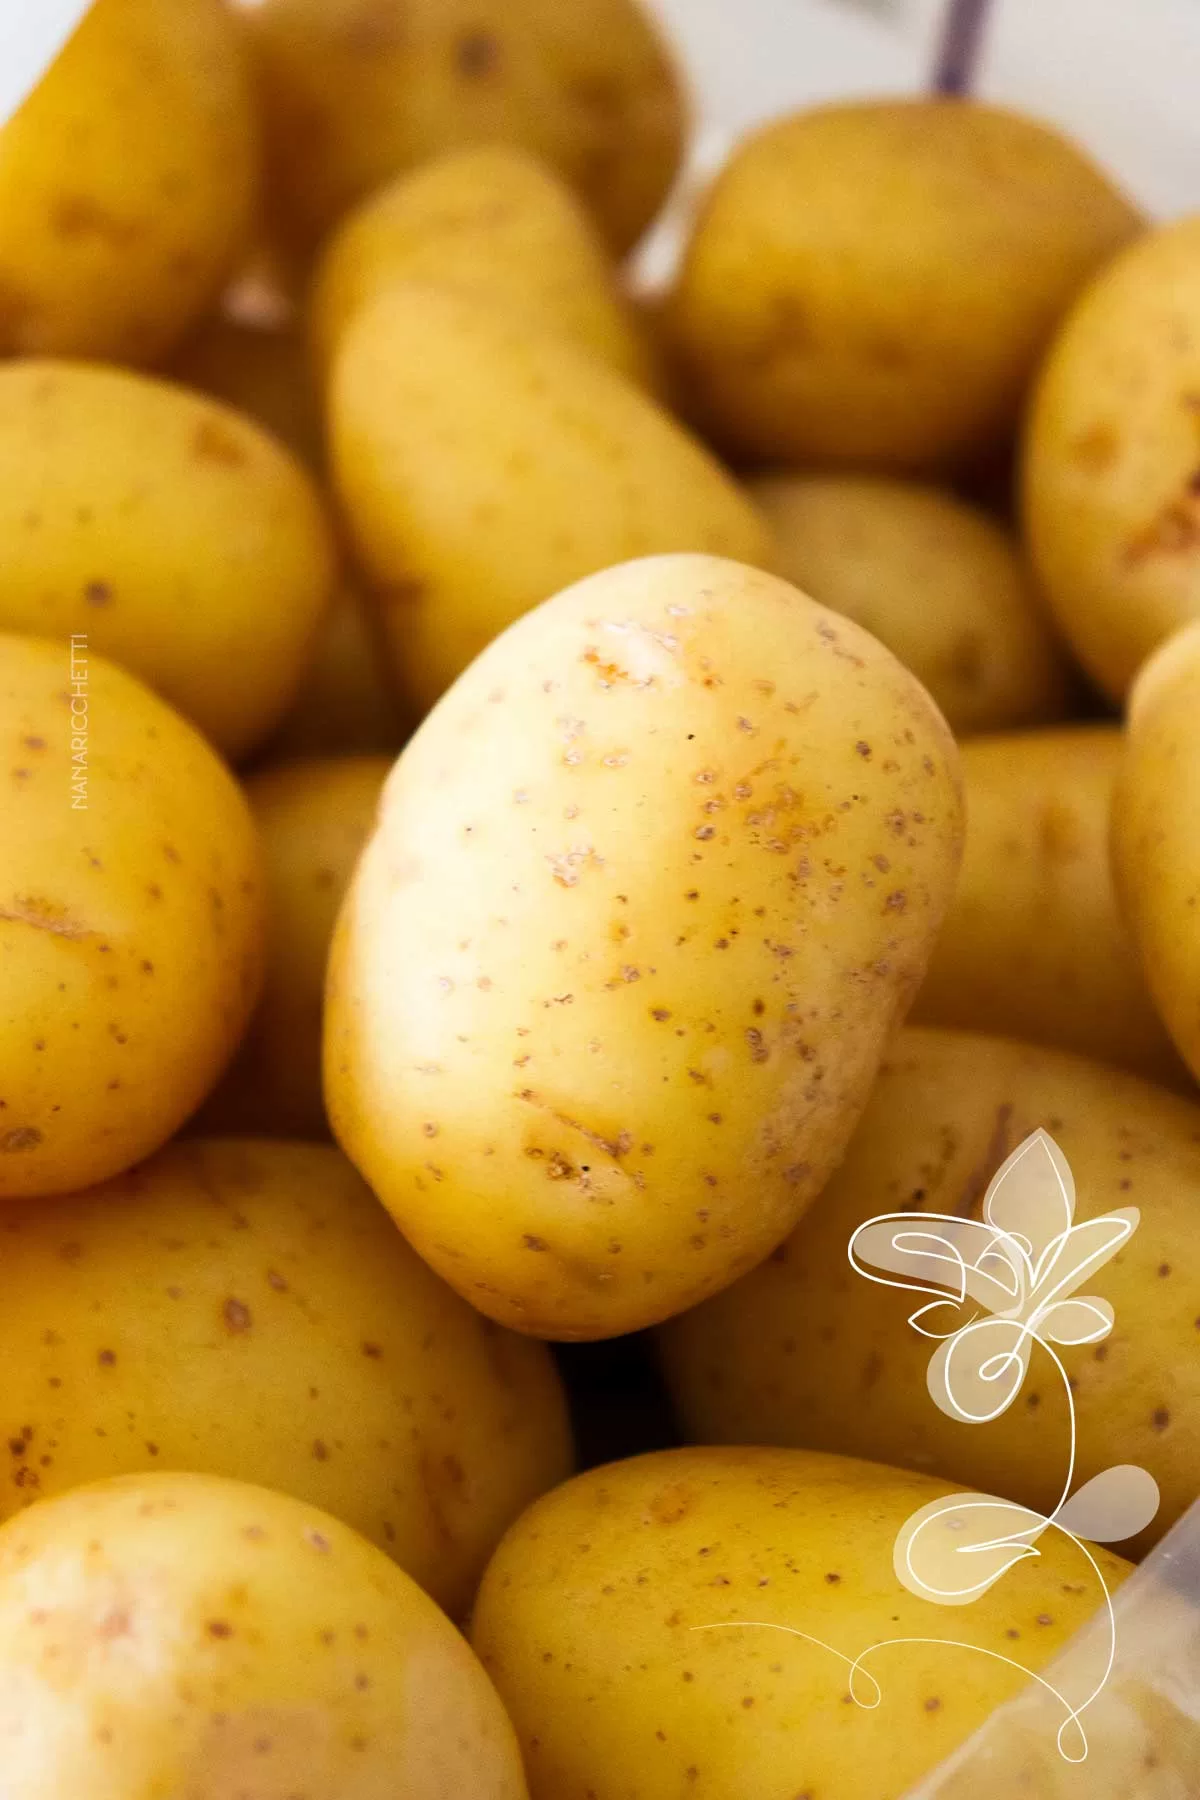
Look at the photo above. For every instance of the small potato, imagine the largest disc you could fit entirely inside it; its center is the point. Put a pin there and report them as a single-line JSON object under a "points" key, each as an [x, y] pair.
{"points": [[171, 531], [314, 818], [249, 1309], [261, 370], [804, 1351], [127, 183], [493, 222], [346, 704], [873, 283], [131, 918], [483, 466], [1111, 472], [937, 581], [181, 1635], [1034, 946], [648, 892], [1156, 833], [355, 94], [618, 1685]]}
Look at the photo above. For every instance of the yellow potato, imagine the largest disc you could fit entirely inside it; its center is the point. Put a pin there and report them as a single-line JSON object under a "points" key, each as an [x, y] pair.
{"points": [[647, 894], [176, 1634], [482, 466], [127, 183], [355, 93], [1156, 834], [1111, 470], [1033, 945], [804, 1351], [261, 370], [937, 581], [616, 1686], [313, 817], [492, 222], [346, 704], [872, 283], [179, 537], [130, 918], [249, 1309]]}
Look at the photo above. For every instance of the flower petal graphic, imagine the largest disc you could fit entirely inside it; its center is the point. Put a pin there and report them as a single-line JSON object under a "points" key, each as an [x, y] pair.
{"points": [[1031, 1197], [976, 1375], [1082, 1321], [952, 1550], [1116, 1504]]}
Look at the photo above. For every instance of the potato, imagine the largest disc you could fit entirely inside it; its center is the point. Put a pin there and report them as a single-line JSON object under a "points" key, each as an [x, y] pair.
{"points": [[176, 535], [347, 703], [127, 183], [872, 283], [492, 222], [936, 580], [804, 1351], [357, 93], [1033, 945], [130, 918], [176, 1634], [1156, 833], [647, 893], [262, 370], [249, 1309], [617, 1688], [1111, 468], [314, 817], [483, 465]]}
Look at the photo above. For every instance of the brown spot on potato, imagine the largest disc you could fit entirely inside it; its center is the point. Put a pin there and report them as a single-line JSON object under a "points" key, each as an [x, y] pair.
{"points": [[219, 1628], [236, 1315], [21, 1137], [1160, 1418], [97, 593], [213, 441], [476, 54], [1095, 449]]}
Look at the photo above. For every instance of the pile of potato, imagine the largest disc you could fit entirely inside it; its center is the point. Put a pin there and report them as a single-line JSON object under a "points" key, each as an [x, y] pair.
{"points": [[796, 652]]}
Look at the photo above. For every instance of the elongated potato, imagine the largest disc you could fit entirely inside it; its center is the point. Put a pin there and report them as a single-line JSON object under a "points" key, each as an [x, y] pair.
{"points": [[171, 531], [131, 918], [1034, 945], [648, 892], [805, 1351], [127, 183], [682, 1623], [482, 466]]}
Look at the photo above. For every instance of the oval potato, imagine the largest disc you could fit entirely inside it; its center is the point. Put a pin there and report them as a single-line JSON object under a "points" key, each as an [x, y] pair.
{"points": [[180, 1634], [131, 918], [647, 894], [872, 283], [128, 179], [618, 1684]]}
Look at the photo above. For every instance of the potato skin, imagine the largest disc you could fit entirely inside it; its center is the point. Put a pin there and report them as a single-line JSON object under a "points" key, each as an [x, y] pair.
{"points": [[1156, 833], [936, 580], [131, 925], [1034, 945], [483, 466], [806, 1352], [127, 183], [181, 1634], [1112, 457], [894, 319], [648, 891], [248, 1309], [688, 1538], [354, 94]]}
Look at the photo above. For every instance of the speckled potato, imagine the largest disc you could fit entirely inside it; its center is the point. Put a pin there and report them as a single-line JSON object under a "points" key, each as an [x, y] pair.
{"points": [[872, 283], [248, 1309], [491, 221], [614, 1691], [1111, 472], [127, 183], [1156, 834], [130, 918], [806, 1352], [171, 531], [356, 91], [314, 817], [346, 704], [483, 466], [262, 370], [647, 894], [1034, 945], [936, 580], [177, 1634]]}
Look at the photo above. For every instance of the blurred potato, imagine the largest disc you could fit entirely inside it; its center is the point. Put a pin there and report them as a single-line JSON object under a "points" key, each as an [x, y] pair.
{"points": [[936, 580], [346, 704], [872, 283], [128, 179]]}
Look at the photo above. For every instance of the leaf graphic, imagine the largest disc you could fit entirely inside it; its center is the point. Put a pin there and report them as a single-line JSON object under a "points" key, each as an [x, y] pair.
{"points": [[941, 1254], [976, 1375], [1031, 1197], [1116, 1504], [1082, 1321], [952, 1550], [1074, 1257]]}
